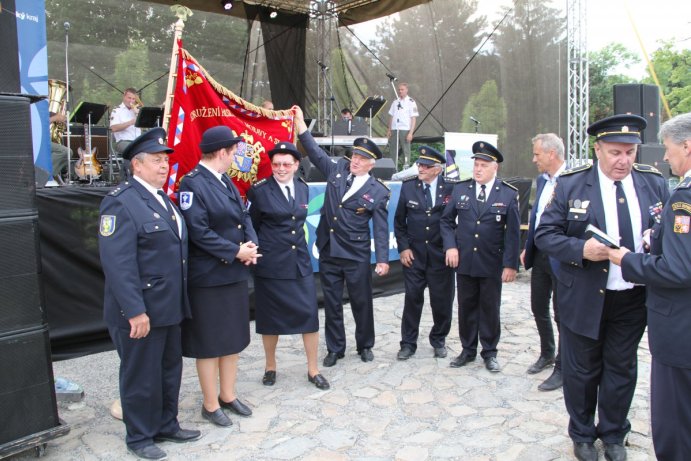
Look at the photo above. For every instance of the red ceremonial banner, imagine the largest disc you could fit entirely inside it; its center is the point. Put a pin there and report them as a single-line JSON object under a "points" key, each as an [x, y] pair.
{"points": [[200, 103]]}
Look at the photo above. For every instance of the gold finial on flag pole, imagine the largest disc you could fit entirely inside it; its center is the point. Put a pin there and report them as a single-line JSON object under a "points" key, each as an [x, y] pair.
{"points": [[182, 13]]}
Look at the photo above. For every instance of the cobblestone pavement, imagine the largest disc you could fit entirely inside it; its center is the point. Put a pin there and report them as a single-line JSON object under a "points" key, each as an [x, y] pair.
{"points": [[420, 409]]}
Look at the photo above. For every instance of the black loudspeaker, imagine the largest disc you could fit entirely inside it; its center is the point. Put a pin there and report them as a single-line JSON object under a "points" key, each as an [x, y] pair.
{"points": [[20, 290], [643, 100], [383, 169], [17, 180], [27, 393], [653, 154], [9, 70]]}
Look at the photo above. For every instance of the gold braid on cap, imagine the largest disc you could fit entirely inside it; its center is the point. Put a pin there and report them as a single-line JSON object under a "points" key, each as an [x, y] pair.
{"points": [[607, 133], [430, 158], [488, 155], [366, 151]]}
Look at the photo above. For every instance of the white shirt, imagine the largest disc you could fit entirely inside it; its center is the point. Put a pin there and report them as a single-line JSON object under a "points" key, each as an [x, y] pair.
{"points": [[290, 187], [608, 190], [358, 182], [432, 189], [547, 192], [122, 114], [154, 192], [214, 172], [488, 188], [402, 110]]}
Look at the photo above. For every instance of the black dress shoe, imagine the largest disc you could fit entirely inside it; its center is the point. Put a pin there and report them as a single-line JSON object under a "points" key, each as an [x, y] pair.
{"points": [[585, 451], [319, 381], [541, 364], [181, 436], [440, 352], [331, 359], [366, 355], [615, 452], [236, 406], [148, 452], [406, 352], [555, 381], [269, 378], [492, 365], [217, 417], [461, 360]]}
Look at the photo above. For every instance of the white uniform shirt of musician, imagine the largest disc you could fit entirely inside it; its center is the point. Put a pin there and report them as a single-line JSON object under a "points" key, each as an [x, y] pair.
{"points": [[125, 113], [401, 112]]}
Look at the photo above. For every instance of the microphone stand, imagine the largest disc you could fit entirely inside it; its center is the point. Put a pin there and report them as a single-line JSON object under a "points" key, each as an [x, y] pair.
{"points": [[67, 101], [392, 81], [327, 80]]}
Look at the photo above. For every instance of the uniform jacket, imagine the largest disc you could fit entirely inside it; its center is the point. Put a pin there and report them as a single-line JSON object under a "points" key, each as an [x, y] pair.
{"points": [[218, 224], [417, 228], [280, 228], [540, 182], [345, 226], [582, 283], [666, 273], [144, 259], [487, 235]]}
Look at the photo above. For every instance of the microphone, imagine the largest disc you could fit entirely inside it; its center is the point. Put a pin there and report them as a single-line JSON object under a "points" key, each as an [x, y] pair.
{"points": [[476, 121], [67, 25], [391, 76], [322, 65]]}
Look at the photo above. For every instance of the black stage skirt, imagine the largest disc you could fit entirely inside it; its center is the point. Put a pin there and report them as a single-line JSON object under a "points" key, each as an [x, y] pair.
{"points": [[220, 323], [285, 306]]}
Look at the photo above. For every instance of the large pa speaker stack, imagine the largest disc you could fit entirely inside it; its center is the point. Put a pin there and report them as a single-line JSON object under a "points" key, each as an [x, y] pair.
{"points": [[28, 405], [643, 100]]}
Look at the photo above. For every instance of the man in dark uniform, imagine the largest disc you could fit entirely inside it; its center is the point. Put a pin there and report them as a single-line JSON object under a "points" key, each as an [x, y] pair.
{"points": [[488, 237], [602, 316], [416, 226], [143, 248], [666, 273], [352, 199], [548, 156]]}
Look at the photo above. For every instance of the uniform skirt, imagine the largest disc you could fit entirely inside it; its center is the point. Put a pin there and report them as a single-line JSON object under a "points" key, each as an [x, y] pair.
{"points": [[220, 323], [285, 307]]}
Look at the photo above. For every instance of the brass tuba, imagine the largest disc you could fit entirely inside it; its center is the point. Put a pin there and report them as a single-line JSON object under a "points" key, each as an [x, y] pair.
{"points": [[57, 104]]}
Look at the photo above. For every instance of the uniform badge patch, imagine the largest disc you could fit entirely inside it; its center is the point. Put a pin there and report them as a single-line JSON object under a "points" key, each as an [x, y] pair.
{"points": [[107, 226], [682, 224], [186, 199]]}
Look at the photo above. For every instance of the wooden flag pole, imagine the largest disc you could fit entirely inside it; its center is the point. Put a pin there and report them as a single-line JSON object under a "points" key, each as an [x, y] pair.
{"points": [[182, 12]]}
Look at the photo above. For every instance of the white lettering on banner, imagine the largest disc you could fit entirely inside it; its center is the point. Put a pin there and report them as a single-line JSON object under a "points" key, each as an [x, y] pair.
{"points": [[29, 17]]}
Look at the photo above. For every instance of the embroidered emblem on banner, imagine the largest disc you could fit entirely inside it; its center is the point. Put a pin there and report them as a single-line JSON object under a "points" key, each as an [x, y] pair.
{"points": [[186, 199], [107, 225], [682, 224]]}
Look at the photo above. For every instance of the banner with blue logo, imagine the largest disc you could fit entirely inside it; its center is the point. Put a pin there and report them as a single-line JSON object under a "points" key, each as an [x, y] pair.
{"points": [[33, 72], [314, 207]]}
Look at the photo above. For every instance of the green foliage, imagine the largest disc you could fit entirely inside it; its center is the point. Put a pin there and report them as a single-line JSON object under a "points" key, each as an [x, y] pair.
{"points": [[489, 108], [672, 69], [604, 70]]}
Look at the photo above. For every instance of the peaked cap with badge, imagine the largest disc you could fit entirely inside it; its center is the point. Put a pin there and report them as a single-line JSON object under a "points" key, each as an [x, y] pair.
{"points": [[366, 148], [151, 142], [624, 128], [218, 137], [285, 148], [486, 151], [430, 156]]}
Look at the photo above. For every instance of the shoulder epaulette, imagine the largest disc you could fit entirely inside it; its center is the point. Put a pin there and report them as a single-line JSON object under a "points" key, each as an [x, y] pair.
{"points": [[643, 168], [577, 169], [192, 172], [452, 180], [409, 178], [510, 185], [259, 183], [301, 179], [685, 183], [119, 189], [382, 183]]}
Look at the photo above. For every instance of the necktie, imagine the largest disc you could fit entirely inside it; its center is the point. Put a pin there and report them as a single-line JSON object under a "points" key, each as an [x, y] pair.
{"points": [[165, 200], [289, 197], [428, 197], [624, 218], [349, 182], [226, 181], [482, 196]]}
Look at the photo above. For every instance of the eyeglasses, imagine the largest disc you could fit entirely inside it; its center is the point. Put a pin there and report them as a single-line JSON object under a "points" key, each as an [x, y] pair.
{"points": [[282, 164]]}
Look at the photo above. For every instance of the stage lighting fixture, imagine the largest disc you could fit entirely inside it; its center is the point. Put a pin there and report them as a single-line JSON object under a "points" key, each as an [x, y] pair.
{"points": [[273, 14], [226, 4]]}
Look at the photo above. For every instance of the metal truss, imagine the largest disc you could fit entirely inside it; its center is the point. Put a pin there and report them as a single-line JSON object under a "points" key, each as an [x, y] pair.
{"points": [[578, 100]]}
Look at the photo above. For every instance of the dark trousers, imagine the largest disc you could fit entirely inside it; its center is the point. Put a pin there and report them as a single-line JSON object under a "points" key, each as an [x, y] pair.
{"points": [[543, 287], [440, 283], [358, 278], [150, 374], [602, 372], [478, 313], [670, 409]]}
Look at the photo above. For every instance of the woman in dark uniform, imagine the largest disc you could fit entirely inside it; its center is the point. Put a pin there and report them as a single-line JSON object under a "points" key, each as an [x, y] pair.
{"points": [[222, 245], [284, 291]]}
